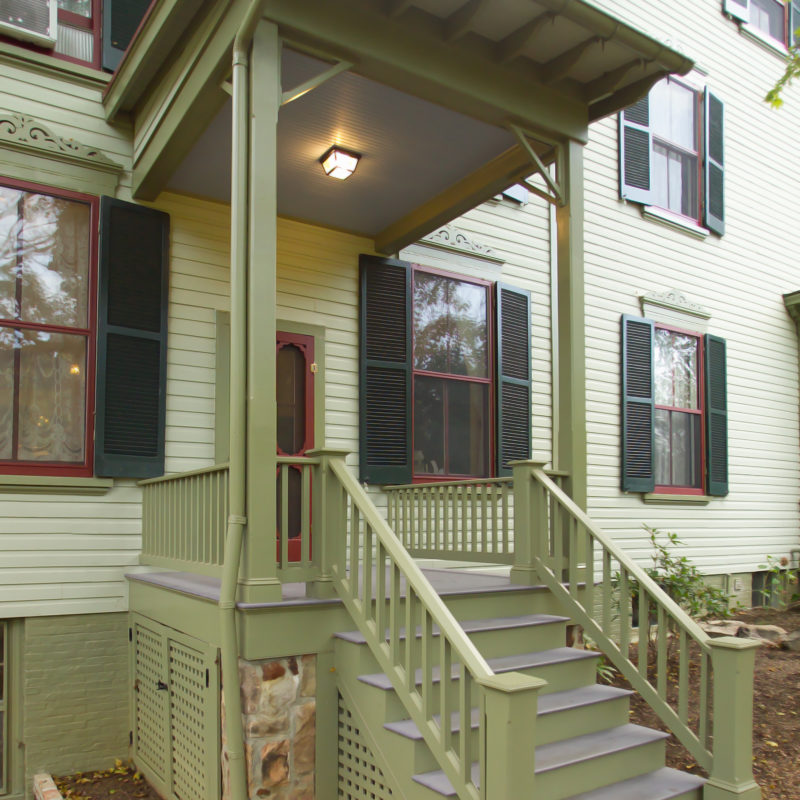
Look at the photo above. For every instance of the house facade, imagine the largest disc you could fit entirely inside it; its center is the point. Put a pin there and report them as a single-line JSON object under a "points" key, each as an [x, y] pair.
{"points": [[434, 320]]}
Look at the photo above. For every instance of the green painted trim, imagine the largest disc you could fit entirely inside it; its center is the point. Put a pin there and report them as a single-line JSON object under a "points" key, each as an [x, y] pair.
{"points": [[14, 672], [792, 303], [53, 484], [222, 386], [684, 499], [326, 767], [53, 67], [319, 333]]}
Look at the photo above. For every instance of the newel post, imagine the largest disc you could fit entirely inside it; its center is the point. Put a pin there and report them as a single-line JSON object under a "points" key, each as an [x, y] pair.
{"points": [[509, 703], [327, 520], [733, 663], [529, 515]]}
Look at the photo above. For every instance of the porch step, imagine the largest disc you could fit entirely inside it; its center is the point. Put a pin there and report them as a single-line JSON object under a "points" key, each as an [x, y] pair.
{"points": [[662, 784], [599, 751]]}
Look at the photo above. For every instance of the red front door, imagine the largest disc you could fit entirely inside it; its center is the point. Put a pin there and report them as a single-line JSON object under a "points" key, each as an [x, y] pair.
{"points": [[295, 430]]}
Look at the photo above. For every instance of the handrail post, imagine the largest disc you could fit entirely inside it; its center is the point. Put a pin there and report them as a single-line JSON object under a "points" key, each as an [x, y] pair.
{"points": [[733, 663], [509, 704], [327, 514], [528, 515]]}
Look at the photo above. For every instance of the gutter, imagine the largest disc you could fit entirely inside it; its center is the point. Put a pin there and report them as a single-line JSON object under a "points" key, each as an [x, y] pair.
{"points": [[237, 501]]}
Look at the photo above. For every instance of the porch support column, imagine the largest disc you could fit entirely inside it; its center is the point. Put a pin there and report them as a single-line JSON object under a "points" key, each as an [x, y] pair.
{"points": [[570, 438], [258, 581]]}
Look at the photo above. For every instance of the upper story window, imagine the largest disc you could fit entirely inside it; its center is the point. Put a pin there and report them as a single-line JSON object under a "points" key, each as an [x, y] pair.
{"points": [[91, 32], [47, 329], [672, 153], [775, 21]]}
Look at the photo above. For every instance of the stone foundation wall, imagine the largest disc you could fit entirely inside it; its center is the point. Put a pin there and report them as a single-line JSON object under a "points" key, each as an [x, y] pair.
{"points": [[279, 718]]}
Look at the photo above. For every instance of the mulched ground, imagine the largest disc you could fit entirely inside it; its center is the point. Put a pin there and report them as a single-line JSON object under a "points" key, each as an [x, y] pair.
{"points": [[120, 782], [776, 713]]}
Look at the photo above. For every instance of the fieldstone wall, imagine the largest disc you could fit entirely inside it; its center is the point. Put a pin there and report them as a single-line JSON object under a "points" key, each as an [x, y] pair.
{"points": [[279, 718]]}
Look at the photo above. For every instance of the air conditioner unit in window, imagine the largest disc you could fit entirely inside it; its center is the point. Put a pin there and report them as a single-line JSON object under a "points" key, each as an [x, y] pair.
{"points": [[32, 20]]}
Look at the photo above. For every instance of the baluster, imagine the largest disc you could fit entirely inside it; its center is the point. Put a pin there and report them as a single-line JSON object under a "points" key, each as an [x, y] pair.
{"points": [[644, 630], [465, 722], [506, 538], [395, 614], [284, 530], [588, 542], [496, 491], [703, 730], [683, 678], [427, 664], [430, 506], [558, 517], [355, 548], [574, 572], [437, 519], [380, 589], [305, 516], [412, 647], [624, 613], [466, 527], [480, 545], [661, 664], [445, 667], [367, 568], [607, 589]]}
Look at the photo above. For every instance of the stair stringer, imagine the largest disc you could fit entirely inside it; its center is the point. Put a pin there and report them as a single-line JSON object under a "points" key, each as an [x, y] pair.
{"points": [[371, 719]]}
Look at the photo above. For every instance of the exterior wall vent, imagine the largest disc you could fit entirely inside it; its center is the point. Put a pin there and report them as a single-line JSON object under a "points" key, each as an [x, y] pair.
{"points": [[32, 20]]}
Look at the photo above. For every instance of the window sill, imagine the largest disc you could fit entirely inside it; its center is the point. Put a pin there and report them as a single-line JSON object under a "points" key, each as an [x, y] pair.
{"points": [[53, 484], [674, 221], [767, 42], [693, 499]]}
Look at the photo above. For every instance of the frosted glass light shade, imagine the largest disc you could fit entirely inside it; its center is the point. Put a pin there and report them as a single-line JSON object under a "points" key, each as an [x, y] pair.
{"points": [[339, 163]]}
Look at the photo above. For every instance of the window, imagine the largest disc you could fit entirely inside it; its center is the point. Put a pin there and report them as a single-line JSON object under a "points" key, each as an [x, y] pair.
{"points": [[47, 329], [64, 321], [775, 21], [671, 153], [674, 410], [445, 381]]}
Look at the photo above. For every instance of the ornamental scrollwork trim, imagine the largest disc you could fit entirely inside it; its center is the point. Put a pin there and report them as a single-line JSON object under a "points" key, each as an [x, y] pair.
{"points": [[676, 300], [448, 237], [26, 133]]}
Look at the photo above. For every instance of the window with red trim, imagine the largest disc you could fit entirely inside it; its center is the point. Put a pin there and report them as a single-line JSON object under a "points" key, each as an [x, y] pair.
{"points": [[48, 266], [678, 435], [452, 371]]}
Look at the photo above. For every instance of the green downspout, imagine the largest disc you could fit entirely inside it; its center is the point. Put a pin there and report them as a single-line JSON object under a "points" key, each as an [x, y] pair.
{"points": [[237, 518]]}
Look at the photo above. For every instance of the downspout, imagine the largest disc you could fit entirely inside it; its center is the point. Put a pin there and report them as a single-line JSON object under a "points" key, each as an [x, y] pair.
{"points": [[237, 519]]}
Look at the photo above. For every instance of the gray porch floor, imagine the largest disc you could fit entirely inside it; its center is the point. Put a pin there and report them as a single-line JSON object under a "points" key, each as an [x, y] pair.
{"points": [[445, 581]]}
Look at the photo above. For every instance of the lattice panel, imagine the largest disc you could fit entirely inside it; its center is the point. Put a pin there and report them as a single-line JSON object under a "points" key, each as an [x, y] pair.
{"points": [[152, 703], [187, 679], [360, 778]]}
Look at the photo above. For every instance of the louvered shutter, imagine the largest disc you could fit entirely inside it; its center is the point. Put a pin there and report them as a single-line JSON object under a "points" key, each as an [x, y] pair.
{"points": [[740, 9], [513, 315], [794, 23], [716, 416], [638, 405], [132, 340], [635, 148], [714, 164], [385, 370], [121, 18]]}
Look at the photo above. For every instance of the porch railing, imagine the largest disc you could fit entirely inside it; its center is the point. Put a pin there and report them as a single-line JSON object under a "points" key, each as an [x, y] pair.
{"points": [[184, 518], [433, 666], [701, 688]]}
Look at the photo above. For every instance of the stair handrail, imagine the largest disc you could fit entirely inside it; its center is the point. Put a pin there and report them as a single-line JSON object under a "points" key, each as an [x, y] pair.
{"points": [[563, 559], [508, 702]]}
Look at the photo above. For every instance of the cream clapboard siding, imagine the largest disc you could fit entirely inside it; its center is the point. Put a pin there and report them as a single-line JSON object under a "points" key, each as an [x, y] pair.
{"points": [[739, 278]]}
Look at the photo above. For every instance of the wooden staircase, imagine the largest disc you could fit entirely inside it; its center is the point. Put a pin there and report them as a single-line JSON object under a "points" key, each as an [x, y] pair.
{"points": [[585, 747]]}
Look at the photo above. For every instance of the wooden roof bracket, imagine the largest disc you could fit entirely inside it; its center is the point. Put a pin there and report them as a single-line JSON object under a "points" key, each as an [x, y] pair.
{"points": [[556, 194], [315, 82]]}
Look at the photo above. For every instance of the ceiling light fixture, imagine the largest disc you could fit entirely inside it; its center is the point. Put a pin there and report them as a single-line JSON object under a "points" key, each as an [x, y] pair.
{"points": [[339, 163]]}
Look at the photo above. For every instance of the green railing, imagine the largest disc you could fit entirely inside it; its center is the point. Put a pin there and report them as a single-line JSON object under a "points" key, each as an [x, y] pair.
{"points": [[184, 517], [433, 666], [295, 512], [701, 688]]}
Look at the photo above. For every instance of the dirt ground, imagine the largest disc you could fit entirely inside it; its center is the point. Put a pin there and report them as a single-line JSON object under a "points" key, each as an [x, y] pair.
{"points": [[776, 714], [776, 729]]}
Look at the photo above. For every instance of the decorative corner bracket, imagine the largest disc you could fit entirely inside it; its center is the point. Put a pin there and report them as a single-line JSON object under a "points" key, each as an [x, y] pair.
{"points": [[30, 135], [448, 237], [557, 197]]}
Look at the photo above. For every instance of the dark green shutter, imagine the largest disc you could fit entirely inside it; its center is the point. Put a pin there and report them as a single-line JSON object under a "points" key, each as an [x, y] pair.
{"points": [[739, 9], [638, 405], [635, 148], [121, 18], [385, 370], [716, 416], [131, 340], [794, 23], [714, 165], [513, 315]]}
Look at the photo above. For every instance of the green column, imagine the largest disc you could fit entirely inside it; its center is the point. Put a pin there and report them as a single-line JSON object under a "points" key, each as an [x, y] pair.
{"points": [[570, 438], [530, 519], [258, 580]]}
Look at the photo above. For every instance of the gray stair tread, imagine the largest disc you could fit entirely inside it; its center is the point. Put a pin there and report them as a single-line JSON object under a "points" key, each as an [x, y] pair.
{"points": [[472, 626], [548, 704], [563, 753], [659, 785], [558, 655]]}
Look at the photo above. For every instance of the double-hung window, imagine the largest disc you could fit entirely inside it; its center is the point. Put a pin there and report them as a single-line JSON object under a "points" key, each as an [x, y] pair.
{"points": [[671, 153], [83, 334], [775, 21], [674, 410], [445, 375]]}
